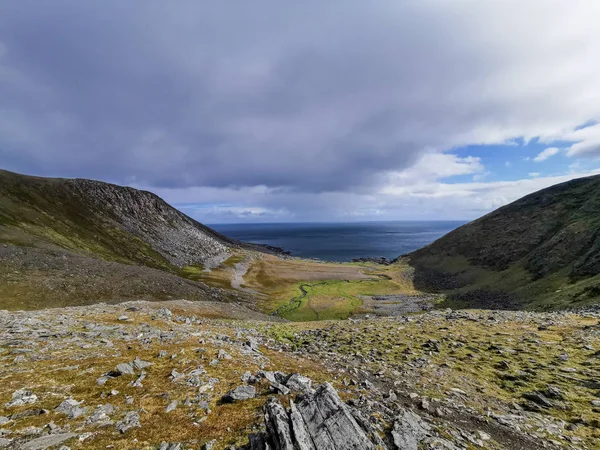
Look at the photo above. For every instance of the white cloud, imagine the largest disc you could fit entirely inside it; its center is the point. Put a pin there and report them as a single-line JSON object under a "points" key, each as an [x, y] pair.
{"points": [[545, 154]]}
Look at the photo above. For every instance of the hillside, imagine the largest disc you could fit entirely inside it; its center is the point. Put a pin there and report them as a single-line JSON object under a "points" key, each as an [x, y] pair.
{"points": [[101, 219], [75, 242], [542, 251]]}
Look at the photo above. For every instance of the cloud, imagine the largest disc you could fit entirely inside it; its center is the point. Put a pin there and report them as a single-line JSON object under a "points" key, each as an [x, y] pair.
{"points": [[545, 154], [324, 102]]}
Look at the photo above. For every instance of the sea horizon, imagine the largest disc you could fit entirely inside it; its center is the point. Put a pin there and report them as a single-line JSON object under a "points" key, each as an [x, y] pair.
{"points": [[342, 241]]}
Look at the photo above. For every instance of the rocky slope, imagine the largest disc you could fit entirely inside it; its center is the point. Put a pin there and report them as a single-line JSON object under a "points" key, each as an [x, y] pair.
{"points": [[143, 375], [541, 251], [76, 242], [103, 220]]}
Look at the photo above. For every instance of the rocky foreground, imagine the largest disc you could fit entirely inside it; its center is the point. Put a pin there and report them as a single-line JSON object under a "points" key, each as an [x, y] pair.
{"points": [[152, 376]]}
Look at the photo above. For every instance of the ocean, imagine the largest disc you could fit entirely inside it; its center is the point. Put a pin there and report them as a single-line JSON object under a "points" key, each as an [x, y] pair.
{"points": [[341, 241]]}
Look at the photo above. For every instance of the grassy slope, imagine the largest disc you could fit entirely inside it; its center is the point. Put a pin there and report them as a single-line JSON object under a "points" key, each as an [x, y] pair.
{"points": [[45, 213], [543, 250]]}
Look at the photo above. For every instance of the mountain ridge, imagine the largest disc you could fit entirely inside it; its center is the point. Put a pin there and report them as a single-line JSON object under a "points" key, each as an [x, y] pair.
{"points": [[545, 242]]}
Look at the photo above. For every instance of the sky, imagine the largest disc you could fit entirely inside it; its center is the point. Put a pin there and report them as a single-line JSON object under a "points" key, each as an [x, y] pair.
{"points": [[271, 111]]}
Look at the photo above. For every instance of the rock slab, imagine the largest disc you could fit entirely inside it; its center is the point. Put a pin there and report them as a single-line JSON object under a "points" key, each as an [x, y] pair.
{"points": [[319, 421]]}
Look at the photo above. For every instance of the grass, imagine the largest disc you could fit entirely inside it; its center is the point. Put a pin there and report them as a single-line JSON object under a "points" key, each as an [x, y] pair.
{"points": [[494, 362], [229, 424], [301, 290]]}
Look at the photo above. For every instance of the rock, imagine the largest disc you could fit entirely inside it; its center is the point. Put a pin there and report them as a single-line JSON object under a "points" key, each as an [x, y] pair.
{"points": [[171, 406], [247, 377], [131, 420], [22, 397], [224, 355], [279, 427], [71, 408], [164, 313], [539, 399], [209, 445], [44, 442], [139, 365], [166, 446], [483, 435], [319, 421], [123, 318], [125, 369], [162, 354], [239, 393], [553, 392], [28, 413], [299, 383], [409, 430], [4, 420], [100, 416], [276, 380], [392, 397], [138, 383]]}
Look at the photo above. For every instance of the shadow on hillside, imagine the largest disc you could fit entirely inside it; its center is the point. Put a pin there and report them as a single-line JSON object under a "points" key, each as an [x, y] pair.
{"points": [[459, 294]]}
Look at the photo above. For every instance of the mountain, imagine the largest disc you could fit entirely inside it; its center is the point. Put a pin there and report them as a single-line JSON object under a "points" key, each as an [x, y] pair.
{"points": [[115, 222], [77, 241], [542, 251]]}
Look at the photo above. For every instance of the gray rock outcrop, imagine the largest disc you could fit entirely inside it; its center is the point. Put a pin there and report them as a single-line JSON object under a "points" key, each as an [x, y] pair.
{"points": [[319, 421]]}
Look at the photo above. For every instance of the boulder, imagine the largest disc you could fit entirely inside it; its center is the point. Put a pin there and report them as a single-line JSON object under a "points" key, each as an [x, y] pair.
{"points": [[131, 420], [239, 393], [319, 421], [21, 397]]}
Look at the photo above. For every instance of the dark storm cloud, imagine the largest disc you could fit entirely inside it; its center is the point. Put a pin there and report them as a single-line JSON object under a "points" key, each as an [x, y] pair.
{"points": [[308, 96], [203, 94]]}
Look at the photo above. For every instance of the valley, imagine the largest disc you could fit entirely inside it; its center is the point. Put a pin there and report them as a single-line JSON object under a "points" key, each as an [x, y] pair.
{"points": [[126, 324]]}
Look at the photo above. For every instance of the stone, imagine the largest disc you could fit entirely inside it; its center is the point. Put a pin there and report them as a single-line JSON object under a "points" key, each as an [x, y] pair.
{"points": [[47, 441], [553, 392], [279, 427], [71, 408], [240, 393], [209, 445], [299, 383], [164, 313], [139, 365], [131, 420], [223, 355], [138, 383], [100, 416], [247, 377], [125, 369], [539, 399], [319, 421], [21, 397], [171, 406], [409, 430], [167, 446]]}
